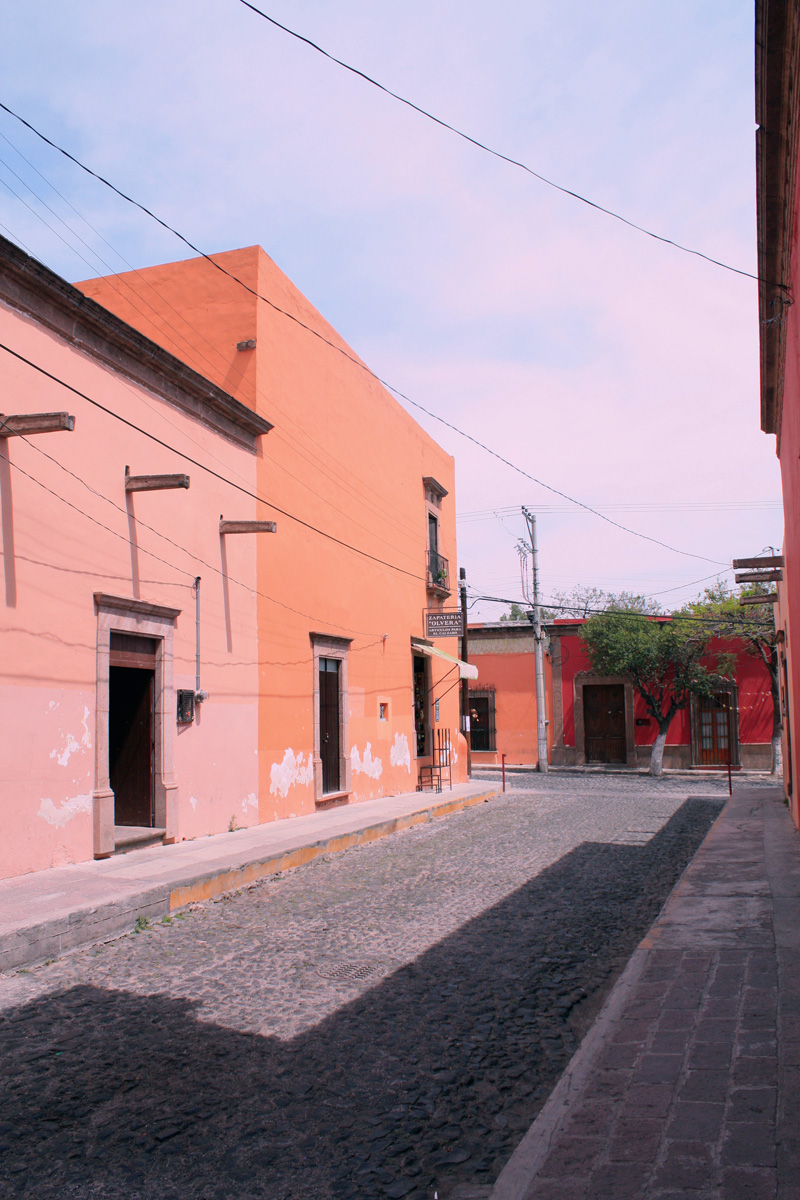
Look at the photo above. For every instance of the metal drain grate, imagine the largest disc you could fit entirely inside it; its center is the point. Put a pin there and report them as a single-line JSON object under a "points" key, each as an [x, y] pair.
{"points": [[346, 972]]}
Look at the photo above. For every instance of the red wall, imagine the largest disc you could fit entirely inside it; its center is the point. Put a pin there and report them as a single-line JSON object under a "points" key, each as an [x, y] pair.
{"points": [[755, 701]]}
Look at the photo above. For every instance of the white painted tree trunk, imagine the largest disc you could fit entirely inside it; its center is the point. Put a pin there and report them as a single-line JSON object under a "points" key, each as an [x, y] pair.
{"points": [[777, 756], [657, 757]]}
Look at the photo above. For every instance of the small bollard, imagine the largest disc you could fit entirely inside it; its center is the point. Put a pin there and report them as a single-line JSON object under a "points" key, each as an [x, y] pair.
{"points": [[503, 757]]}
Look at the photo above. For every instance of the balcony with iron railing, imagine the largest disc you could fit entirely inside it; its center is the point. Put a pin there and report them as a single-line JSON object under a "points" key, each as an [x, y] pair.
{"points": [[438, 574]]}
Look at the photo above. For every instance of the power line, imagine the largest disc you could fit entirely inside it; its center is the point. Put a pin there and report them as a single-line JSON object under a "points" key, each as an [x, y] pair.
{"points": [[136, 295], [557, 491], [166, 562], [489, 514], [616, 612], [496, 153], [345, 353], [347, 483], [195, 462]]}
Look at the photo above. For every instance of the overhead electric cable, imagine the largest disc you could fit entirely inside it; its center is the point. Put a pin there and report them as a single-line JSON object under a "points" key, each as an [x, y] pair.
{"points": [[493, 513], [608, 612], [133, 303], [514, 162], [166, 562], [202, 466], [345, 354]]}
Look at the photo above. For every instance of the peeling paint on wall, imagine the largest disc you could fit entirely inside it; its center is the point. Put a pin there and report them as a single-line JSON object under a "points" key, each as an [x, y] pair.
{"points": [[291, 771], [71, 744], [69, 809], [250, 801], [193, 802], [63, 755], [366, 765], [400, 755]]}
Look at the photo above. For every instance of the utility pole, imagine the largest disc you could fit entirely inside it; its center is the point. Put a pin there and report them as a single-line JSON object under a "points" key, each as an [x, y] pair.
{"points": [[538, 649], [465, 723]]}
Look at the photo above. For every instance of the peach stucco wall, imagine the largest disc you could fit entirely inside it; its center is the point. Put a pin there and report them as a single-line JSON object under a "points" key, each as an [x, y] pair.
{"points": [[344, 464], [504, 656], [66, 534], [512, 676]]}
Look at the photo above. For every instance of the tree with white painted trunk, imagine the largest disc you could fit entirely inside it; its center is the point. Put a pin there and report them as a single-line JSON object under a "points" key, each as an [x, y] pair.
{"points": [[664, 658]]}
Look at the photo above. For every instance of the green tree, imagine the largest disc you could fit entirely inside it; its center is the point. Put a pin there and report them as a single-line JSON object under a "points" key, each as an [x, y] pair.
{"points": [[755, 625], [515, 613], [663, 657]]}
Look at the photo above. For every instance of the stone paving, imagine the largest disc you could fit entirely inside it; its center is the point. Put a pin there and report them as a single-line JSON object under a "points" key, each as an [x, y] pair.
{"points": [[688, 1085], [383, 1022]]}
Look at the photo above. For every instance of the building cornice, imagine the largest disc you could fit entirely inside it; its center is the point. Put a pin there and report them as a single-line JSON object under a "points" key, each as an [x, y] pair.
{"points": [[127, 604], [777, 96], [33, 289]]}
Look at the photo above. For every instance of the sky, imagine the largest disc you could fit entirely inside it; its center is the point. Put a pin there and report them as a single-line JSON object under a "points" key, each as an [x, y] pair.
{"points": [[605, 364]]}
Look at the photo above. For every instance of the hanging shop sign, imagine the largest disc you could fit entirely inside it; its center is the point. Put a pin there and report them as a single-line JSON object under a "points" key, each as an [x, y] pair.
{"points": [[441, 623]]}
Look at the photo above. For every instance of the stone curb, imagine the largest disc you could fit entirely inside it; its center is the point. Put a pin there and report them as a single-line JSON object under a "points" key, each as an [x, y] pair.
{"points": [[514, 1181], [739, 773], [89, 925]]}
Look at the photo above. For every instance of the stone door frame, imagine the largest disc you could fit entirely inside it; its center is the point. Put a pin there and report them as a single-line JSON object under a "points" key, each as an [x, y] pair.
{"points": [[325, 645], [585, 678], [119, 614]]}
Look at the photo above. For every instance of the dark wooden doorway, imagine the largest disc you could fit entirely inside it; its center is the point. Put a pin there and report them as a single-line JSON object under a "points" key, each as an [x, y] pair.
{"points": [[329, 724], [132, 728], [420, 705], [715, 729], [604, 722]]}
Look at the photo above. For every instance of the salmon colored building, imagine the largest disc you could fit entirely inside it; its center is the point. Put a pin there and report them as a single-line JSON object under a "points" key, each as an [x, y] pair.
{"points": [[602, 720], [113, 566], [220, 536], [778, 218], [503, 717]]}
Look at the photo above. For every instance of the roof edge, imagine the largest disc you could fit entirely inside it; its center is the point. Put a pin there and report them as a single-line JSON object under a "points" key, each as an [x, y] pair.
{"points": [[33, 289], [777, 96]]}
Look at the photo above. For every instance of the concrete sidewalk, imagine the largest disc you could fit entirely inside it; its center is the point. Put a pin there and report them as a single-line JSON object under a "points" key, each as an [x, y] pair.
{"points": [[688, 1084], [47, 912]]}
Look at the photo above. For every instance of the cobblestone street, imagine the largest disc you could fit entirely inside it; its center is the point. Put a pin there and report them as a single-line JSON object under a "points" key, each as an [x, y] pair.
{"points": [[382, 1022]]}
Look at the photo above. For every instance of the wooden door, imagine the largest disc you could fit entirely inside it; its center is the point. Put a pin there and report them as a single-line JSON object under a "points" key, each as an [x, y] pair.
{"points": [[329, 715], [604, 722], [131, 744], [421, 705], [714, 731]]}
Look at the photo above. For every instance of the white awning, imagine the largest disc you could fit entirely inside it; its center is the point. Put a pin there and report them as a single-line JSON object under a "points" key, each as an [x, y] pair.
{"points": [[465, 670]]}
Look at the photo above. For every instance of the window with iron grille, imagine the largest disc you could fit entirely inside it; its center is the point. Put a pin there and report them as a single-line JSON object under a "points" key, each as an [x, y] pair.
{"points": [[482, 718]]}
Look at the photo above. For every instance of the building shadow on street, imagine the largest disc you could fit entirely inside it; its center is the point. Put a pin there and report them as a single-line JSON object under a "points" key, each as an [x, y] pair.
{"points": [[431, 1077]]}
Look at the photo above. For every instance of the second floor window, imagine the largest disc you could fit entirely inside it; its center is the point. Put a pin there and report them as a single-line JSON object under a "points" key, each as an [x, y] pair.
{"points": [[433, 536]]}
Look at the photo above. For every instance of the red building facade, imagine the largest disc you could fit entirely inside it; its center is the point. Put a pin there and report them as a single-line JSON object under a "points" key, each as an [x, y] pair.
{"points": [[602, 719], [593, 719]]}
